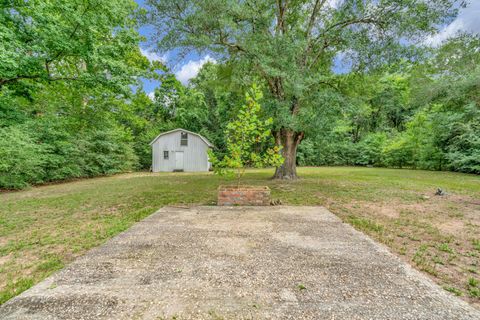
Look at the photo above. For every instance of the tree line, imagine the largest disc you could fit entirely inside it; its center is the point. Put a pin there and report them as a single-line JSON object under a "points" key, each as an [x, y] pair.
{"points": [[424, 115], [72, 103]]}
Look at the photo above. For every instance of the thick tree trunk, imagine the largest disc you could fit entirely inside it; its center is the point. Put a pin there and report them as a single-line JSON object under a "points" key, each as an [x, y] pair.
{"points": [[289, 140]]}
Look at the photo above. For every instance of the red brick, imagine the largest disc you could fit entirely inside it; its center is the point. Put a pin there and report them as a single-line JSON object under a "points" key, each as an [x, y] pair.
{"points": [[243, 195]]}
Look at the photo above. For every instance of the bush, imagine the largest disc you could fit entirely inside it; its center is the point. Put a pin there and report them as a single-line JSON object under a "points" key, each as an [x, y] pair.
{"points": [[244, 135], [60, 153], [47, 150], [107, 151], [21, 158], [463, 150], [369, 150]]}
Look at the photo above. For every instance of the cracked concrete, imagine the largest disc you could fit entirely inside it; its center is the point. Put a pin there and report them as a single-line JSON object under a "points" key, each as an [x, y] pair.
{"points": [[238, 263]]}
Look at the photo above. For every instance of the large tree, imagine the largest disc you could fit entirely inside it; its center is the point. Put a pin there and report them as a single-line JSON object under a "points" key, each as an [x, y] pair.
{"points": [[66, 105], [92, 42], [292, 45]]}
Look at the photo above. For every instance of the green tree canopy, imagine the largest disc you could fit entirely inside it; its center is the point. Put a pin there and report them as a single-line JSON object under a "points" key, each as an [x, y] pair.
{"points": [[88, 41], [292, 44]]}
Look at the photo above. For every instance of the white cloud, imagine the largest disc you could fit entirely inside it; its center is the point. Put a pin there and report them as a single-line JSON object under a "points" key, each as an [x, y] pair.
{"points": [[468, 20], [191, 69], [153, 56], [151, 95], [334, 3]]}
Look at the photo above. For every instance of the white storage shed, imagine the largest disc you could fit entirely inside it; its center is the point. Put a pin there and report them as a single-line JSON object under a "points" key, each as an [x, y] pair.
{"points": [[180, 150]]}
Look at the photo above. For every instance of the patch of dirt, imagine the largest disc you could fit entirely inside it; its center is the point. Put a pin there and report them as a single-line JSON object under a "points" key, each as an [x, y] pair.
{"points": [[434, 234], [391, 209], [3, 261], [133, 175], [452, 227]]}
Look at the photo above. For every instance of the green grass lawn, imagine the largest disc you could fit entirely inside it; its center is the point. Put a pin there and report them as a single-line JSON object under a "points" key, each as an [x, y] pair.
{"points": [[44, 228]]}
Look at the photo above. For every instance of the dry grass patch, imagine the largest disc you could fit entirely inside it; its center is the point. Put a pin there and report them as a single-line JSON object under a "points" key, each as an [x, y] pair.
{"points": [[437, 234]]}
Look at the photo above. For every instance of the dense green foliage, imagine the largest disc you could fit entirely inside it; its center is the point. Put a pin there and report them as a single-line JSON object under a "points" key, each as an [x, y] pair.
{"points": [[423, 116], [247, 140], [72, 103], [66, 73], [291, 46]]}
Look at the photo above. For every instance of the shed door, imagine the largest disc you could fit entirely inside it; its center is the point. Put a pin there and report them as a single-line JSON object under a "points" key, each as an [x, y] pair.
{"points": [[178, 160]]}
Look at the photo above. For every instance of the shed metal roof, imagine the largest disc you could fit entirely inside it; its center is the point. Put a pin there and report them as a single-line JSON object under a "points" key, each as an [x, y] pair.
{"points": [[183, 130]]}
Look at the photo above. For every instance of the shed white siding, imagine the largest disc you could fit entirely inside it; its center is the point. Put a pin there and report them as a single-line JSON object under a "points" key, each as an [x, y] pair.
{"points": [[195, 156]]}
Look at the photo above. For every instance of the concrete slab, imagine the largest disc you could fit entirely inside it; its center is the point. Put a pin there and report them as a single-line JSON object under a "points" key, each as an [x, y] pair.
{"points": [[238, 263]]}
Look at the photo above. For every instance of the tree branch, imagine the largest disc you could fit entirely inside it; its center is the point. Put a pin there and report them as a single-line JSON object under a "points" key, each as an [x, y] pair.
{"points": [[299, 137], [48, 78], [311, 23], [346, 23], [282, 8], [313, 17]]}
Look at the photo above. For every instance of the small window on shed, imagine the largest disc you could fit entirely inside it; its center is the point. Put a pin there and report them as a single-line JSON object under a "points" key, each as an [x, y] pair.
{"points": [[165, 154], [184, 139]]}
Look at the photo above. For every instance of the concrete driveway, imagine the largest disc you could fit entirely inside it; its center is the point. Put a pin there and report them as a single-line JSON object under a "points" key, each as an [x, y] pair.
{"points": [[238, 263]]}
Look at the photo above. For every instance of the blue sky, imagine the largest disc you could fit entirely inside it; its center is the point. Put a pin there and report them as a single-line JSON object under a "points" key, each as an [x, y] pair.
{"points": [[186, 68]]}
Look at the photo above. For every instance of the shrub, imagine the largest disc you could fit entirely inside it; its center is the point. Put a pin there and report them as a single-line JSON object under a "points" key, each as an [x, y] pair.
{"points": [[60, 154], [398, 152], [369, 150], [21, 158], [107, 151], [245, 136], [47, 150]]}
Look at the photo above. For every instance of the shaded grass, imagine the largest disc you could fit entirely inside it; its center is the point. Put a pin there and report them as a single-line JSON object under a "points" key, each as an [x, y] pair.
{"points": [[46, 227]]}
